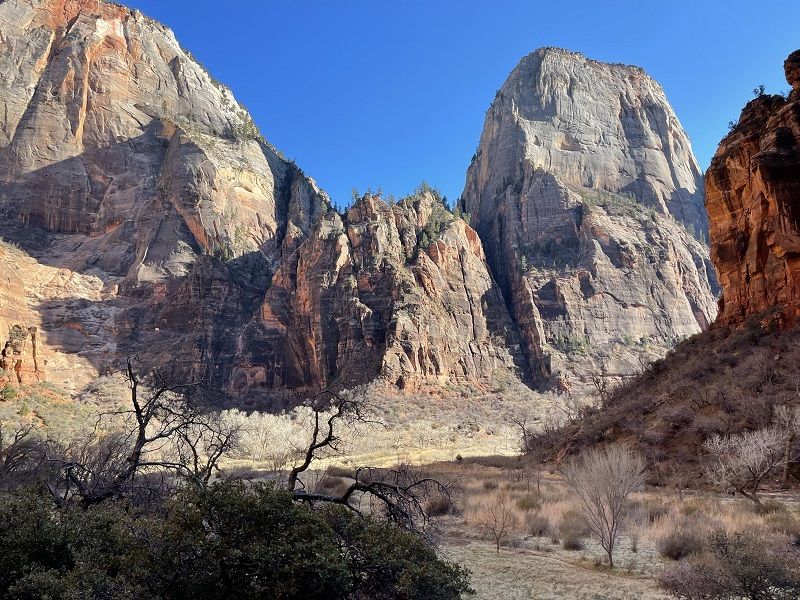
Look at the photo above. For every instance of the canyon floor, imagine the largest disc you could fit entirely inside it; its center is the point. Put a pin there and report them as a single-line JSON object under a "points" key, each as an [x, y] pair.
{"points": [[469, 440]]}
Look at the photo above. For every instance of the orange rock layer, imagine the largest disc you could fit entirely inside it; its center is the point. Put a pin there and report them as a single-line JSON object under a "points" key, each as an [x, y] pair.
{"points": [[753, 202]]}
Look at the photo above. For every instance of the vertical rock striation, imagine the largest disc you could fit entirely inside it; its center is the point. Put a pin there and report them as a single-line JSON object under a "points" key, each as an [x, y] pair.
{"points": [[365, 297], [753, 201], [588, 200]]}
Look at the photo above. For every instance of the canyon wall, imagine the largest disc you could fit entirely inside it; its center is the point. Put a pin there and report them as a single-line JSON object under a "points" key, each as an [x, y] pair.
{"points": [[589, 203], [144, 214], [149, 217], [753, 201]]}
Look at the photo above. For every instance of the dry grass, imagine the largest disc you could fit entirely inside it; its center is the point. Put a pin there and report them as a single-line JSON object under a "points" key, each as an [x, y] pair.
{"points": [[522, 574], [547, 555]]}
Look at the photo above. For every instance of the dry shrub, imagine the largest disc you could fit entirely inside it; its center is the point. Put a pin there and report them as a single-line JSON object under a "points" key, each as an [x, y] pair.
{"points": [[498, 518], [537, 524], [333, 486], [573, 530], [768, 507], [439, 505], [344, 472], [735, 566], [679, 545], [784, 523], [529, 502], [652, 509]]}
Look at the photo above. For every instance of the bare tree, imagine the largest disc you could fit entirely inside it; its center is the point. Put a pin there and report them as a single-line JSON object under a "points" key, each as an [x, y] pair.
{"points": [[602, 387], [740, 462], [603, 479], [498, 517], [401, 492], [788, 422], [23, 455], [166, 429]]}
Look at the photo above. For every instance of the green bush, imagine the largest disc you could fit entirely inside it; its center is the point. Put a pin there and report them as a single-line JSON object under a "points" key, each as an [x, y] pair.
{"points": [[229, 541], [8, 392]]}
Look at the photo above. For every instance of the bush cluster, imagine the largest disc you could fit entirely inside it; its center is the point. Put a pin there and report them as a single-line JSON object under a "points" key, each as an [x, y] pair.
{"points": [[228, 541]]}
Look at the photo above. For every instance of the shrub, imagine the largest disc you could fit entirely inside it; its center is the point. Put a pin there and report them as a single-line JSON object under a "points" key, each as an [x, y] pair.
{"points": [[342, 472], [653, 509], [537, 524], [8, 392], [768, 507], [679, 544], [392, 563], [438, 505], [334, 486], [228, 541], [783, 522], [573, 530], [736, 566], [529, 502]]}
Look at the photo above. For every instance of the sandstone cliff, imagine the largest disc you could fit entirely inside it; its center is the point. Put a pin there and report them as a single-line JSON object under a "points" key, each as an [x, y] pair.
{"points": [[753, 201], [402, 292], [152, 219], [744, 370], [588, 200], [122, 159]]}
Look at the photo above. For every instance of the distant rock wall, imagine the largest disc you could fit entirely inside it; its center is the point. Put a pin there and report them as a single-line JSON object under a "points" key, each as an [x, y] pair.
{"points": [[363, 297], [588, 200], [753, 201]]}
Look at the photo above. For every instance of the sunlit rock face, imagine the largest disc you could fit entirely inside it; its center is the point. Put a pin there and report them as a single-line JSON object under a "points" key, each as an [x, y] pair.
{"points": [[753, 201], [370, 294], [153, 209], [589, 203]]}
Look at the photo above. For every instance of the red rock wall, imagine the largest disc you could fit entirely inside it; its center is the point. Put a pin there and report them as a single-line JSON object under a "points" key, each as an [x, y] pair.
{"points": [[753, 202]]}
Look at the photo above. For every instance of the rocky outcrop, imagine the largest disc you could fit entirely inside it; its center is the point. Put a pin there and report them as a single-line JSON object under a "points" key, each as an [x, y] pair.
{"points": [[364, 297], [588, 200], [753, 201]]}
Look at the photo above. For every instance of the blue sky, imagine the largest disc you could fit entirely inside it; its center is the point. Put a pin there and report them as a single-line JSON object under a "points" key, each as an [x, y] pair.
{"points": [[389, 93]]}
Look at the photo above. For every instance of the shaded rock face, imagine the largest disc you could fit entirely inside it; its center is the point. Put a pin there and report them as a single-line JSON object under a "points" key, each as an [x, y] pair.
{"points": [[753, 201], [152, 219], [112, 130], [588, 200]]}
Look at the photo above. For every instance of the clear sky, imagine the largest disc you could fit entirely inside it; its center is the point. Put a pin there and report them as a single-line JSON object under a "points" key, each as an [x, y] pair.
{"points": [[379, 93]]}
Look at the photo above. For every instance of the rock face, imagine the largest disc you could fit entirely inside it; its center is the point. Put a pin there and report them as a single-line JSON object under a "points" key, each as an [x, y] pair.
{"points": [[149, 217], [753, 201], [366, 295], [153, 220], [588, 200], [120, 157]]}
